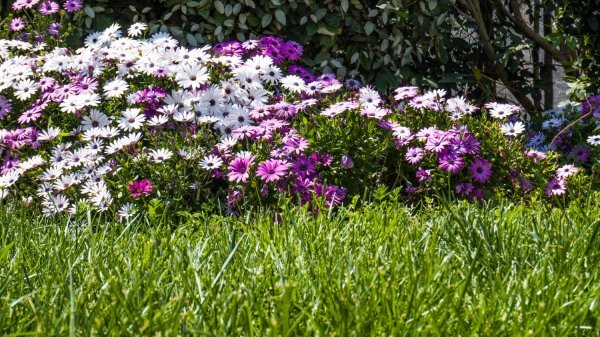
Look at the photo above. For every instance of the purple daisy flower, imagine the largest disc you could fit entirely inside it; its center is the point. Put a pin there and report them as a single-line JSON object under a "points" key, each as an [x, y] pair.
{"points": [[414, 155], [464, 189], [303, 167], [346, 162], [591, 105], [49, 8], [579, 153], [436, 142], [450, 162], [72, 5], [423, 175], [352, 84], [5, 107], [21, 4], [54, 28], [556, 186], [17, 24], [480, 169]]}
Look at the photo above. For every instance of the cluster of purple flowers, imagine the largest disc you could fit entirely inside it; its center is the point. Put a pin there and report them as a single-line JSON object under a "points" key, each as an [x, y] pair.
{"points": [[277, 49], [46, 8]]}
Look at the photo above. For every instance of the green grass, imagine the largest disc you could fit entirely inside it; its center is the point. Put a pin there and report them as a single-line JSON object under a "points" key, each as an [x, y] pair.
{"points": [[383, 270]]}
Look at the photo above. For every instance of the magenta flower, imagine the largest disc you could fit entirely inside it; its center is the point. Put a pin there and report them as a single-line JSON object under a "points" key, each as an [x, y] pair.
{"points": [[140, 188], [556, 186], [49, 8], [480, 169], [73, 5], [272, 170], [240, 167], [17, 24]]}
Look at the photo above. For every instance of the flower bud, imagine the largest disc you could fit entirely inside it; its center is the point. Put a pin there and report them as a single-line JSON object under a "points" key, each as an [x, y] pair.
{"points": [[346, 162]]}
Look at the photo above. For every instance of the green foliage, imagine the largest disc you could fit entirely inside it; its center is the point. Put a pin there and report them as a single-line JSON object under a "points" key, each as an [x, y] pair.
{"points": [[383, 42], [381, 270], [578, 27]]}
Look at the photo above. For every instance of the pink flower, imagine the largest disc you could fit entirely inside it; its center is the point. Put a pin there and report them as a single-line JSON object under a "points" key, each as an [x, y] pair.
{"points": [[17, 24], [240, 167], [272, 170], [140, 188], [49, 8]]}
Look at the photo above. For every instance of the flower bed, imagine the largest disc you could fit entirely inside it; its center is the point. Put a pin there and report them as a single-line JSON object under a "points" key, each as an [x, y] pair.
{"points": [[129, 123]]}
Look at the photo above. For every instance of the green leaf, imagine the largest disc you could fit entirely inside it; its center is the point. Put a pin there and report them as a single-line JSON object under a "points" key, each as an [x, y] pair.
{"points": [[219, 7], [4, 250], [311, 29], [89, 11], [345, 5], [280, 16], [266, 20], [432, 4], [191, 39], [369, 27]]}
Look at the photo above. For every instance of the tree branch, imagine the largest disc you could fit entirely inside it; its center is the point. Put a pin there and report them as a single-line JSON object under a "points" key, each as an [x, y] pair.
{"points": [[488, 49], [521, 25]]}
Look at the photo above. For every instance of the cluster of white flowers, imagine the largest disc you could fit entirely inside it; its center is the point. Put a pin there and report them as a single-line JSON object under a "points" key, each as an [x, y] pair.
{"points": [[108, 69]]}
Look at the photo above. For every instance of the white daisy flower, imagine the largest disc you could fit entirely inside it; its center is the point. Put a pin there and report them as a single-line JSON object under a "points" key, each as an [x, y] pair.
{"points": [[136, 29], [158, 120], [25, 89], [132, 119], [95, 119], [293, 83], [369, 96], [49, 134], [566, 171], [211, 162], [115, 88], [512, 128], [191, 76], [159, 155], [259, 63], [594, 140], [272, 75], [126, 211]]}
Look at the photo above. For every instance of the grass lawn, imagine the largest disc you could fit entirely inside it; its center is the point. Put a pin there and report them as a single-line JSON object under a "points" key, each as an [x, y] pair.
{"points": [[381, 270]]}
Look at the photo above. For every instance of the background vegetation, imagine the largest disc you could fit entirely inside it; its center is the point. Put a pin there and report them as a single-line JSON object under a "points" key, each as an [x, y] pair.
{"points": [[511, 45]]}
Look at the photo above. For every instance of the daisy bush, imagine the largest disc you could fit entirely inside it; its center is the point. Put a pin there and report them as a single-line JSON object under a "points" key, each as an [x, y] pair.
{"points": [[133, 123], [572, 132]]}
